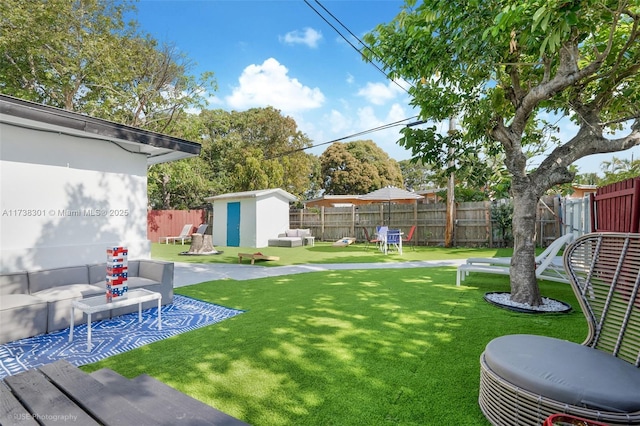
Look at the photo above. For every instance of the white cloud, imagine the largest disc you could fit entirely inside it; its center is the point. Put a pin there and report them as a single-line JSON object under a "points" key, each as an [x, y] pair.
{"points": [[338, 122], [380, 93], [350, 78], [308, 37], [270, 85], [385, 139]]}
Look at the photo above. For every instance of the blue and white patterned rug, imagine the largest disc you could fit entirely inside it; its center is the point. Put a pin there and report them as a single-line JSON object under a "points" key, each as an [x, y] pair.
{"points": [[110, 337]]}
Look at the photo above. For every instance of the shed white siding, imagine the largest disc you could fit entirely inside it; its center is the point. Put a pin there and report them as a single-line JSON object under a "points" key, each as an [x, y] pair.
{"points": [[263, 214]]}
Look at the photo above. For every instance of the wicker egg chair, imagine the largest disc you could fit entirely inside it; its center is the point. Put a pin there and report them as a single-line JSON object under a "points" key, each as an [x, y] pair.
{"points": [[524, 379]]}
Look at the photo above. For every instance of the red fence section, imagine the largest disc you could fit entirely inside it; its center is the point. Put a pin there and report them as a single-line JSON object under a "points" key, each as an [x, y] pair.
{"points": [[616, 207], [169, 223]]}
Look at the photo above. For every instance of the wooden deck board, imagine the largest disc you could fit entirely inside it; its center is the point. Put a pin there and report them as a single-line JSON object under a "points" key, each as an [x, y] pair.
{"points": [[94, 397], [46, 403], [62, 393], [150, 401], [189, 404], [11, 411]]}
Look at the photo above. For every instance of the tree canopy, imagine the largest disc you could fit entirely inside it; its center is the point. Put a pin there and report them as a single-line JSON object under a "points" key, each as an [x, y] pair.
{"points": [[241, 151], [81, 56], [357, 167], [509, 71]]}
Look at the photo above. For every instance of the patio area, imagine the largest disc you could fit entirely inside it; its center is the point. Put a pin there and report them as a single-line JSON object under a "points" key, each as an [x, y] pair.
{"points": [[401, 333]]}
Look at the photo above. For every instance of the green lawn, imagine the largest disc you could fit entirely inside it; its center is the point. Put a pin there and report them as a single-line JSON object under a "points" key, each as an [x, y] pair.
{"points": [[323, 253], [359, 347]]}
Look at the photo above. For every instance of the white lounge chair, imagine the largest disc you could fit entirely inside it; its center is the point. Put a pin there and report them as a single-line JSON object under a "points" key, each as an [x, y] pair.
{"points": [[185, 234], [202, 229], [549, 265]]}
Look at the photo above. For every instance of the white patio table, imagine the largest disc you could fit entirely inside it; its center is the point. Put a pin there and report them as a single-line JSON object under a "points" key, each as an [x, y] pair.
{"points": [[95, 304]]}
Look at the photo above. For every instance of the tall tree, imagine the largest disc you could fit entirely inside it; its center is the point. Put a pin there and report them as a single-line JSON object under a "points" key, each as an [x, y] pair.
{"points": [[255, 149], [357, 167], [417, 175], [181, 184], [619, 169], [52, 51], [502, 67], [82, 56]]}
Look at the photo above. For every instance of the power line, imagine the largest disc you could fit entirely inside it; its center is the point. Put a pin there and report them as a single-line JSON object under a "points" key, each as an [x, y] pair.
{"points": [[365, 46], [349, 41], [364, 132]]}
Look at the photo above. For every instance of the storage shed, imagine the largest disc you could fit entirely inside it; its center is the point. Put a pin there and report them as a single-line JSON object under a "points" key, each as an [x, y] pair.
{"points": [[249, 219]]}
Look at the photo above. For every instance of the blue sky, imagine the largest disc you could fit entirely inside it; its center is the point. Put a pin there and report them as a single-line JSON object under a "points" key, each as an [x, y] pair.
{"points": [[283, 54]]}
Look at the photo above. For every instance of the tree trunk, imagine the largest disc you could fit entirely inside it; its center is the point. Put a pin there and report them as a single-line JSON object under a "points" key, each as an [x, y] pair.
{"points": [[451, 212], [201, 244], [451, 195], [524, 285]]}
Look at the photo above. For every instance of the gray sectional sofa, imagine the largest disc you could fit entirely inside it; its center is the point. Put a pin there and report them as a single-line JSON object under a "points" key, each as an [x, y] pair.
{"points": [[37, 302], [290, 238]]}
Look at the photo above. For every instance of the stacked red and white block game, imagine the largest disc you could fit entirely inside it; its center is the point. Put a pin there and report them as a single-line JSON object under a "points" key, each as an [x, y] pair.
{"points": [[117, 272]]}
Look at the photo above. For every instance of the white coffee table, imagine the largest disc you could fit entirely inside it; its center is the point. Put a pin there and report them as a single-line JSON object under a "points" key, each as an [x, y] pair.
{"points": [[95, 304]]}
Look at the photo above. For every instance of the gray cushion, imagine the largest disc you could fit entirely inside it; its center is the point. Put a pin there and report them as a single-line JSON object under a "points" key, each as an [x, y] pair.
{"points": [[566, 372], [60, 299], [151, 270], [285, 242], [42, 280], [21, 315], [71, 291], [133, 267], [10, 301], [97, 272], [14, 283]]}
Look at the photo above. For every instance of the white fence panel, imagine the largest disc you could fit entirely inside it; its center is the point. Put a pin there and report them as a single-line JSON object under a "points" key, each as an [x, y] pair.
{"points": [[576, 215]]}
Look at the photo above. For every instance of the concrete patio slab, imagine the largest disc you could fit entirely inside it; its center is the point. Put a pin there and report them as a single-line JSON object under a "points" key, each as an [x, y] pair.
{"points": [[194, 273]]}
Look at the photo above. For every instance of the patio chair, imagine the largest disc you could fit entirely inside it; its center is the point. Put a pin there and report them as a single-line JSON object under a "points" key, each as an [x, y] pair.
{"points": [[368, 240], [409, 237], [202, 229], [381, 235], [548, 265], [525, 379], [394, 239], [185, 234]]}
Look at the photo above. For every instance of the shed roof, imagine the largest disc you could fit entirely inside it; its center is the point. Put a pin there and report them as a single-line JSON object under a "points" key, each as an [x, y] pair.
{"points": [[157, 147], [254, 194]]}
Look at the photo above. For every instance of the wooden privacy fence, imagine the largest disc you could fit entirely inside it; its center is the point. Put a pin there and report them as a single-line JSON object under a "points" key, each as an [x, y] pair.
{"points": [[169, 223], [473, 223], [616, 207]]}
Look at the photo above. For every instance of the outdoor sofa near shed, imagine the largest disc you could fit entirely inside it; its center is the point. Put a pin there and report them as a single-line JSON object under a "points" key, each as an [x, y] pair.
{"points": [[290, 238]]}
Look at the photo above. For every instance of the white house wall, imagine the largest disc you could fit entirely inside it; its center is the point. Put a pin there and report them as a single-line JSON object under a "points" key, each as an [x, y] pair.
{"points": [[66, 198]]}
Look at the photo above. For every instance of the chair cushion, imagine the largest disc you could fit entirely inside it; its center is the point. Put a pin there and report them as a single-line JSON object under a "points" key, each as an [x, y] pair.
{"points": [[134, 282], [71, 291], [51, 278], [566, 372], [11, 301], [14, 283]]}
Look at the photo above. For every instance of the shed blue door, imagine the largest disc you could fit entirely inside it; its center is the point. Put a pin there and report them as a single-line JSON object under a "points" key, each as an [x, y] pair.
{"points": [[233, 224]]}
